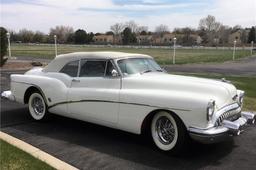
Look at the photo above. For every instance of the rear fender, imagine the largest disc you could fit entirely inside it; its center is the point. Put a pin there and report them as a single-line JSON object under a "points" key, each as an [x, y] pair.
{"points": [[53, 89]]}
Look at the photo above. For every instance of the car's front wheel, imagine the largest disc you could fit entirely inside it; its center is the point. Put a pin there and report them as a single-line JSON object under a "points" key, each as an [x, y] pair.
{"points": [[37, 106], [168, 132]]}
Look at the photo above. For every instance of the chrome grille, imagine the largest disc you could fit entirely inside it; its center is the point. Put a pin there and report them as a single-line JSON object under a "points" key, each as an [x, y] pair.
{"points": [[231, 115]]}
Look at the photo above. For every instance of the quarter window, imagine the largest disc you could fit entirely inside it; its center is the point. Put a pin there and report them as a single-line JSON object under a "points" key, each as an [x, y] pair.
{"points": [[92, 68], [71, 68]]}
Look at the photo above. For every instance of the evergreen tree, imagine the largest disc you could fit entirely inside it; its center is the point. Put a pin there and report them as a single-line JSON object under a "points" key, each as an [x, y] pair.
{"points": [[3, 42], [252, 36], [128, 37], [80, 36]]}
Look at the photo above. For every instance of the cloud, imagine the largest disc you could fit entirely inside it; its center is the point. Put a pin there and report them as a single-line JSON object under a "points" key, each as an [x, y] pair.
{"points": [[98, 15], [235, 12]]}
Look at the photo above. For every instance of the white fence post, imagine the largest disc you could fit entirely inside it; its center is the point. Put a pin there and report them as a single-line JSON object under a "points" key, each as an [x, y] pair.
{"points": [[234, 50], [9, 44], [55, 44], [174, 50], [251, 47]]}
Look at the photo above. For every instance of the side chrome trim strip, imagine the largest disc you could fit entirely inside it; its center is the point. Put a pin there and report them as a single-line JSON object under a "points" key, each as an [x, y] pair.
{"points": [[106, 101], [138, 104]]}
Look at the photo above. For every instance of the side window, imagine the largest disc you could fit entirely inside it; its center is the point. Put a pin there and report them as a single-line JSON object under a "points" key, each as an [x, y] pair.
{"points": [[109, 69], [92, 68], [71, 68]]}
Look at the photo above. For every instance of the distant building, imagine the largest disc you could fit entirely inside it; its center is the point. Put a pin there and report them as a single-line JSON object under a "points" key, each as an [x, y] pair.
{"points": [[103, 39], [144, 39], [117, 39], [235, 36], [157, 39], [197, 38], [167, 38], [164, 39]]}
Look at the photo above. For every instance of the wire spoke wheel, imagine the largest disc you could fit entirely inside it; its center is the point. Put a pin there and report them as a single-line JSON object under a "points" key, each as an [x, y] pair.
{"points": [[37, 106], [164, 131]]}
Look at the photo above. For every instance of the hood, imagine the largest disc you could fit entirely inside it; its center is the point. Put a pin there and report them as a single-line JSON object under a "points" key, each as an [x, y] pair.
{"points": [[221, 92]]}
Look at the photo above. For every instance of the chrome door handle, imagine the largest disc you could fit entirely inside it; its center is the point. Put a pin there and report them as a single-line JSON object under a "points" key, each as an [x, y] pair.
{"points": [[75, 80]]}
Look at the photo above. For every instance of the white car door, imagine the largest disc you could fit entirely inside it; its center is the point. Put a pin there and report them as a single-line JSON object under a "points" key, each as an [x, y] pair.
{"points": [[94, 94]]}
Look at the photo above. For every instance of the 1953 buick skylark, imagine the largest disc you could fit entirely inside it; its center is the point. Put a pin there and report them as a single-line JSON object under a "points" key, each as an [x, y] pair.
{"points": [[131, 92]]}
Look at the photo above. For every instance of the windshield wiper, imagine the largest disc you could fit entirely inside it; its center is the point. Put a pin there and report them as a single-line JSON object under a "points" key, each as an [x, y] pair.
{"points": [[145, 71], [159, 70]]}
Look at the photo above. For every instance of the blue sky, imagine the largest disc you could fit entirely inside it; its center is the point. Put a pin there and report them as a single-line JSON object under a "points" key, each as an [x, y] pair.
{"points": [[99, 15]]}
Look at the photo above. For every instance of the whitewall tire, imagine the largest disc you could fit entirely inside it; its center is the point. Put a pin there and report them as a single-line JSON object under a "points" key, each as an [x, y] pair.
{"points": [[37, 106], [167, 131]]}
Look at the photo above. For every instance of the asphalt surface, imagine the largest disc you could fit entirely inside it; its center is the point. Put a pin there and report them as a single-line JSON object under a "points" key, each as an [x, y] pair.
{"points": [[89, 146], [242, 67]]}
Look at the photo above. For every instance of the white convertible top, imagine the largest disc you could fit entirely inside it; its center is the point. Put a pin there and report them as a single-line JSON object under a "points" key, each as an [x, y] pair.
{"points": [[58, 62]]}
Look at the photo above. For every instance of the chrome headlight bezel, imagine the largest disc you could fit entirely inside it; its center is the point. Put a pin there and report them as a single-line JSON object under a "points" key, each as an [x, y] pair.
{"points": [[241, 98], [210, 109]]}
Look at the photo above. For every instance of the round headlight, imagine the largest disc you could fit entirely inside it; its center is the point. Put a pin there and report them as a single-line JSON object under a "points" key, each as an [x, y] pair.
{"points": [[210, 109]]}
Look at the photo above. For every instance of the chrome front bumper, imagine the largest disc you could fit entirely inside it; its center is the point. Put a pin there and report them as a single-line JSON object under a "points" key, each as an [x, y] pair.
{"points": [[8, 95], [224, 131]]}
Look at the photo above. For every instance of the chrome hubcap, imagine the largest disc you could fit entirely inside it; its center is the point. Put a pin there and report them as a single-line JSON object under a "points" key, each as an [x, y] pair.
{"points": [[165, 130], [38, 106]]}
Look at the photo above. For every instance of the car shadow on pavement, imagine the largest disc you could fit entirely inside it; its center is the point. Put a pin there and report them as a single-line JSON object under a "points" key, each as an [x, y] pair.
{"points": [[86, 145]]}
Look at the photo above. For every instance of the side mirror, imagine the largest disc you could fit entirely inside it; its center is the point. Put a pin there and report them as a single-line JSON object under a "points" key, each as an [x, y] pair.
{"points": [[114, 73]]}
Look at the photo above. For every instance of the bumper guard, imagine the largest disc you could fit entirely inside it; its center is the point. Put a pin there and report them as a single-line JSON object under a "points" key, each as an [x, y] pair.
{"points": [[226, 130]]}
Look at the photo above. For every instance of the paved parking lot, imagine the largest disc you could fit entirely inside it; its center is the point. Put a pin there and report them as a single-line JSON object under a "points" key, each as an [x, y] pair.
{"points": [[243, 67], [89, 146]]}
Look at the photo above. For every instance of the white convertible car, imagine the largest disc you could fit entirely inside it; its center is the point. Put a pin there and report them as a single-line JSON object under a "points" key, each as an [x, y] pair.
{"points": [[131, 92]]}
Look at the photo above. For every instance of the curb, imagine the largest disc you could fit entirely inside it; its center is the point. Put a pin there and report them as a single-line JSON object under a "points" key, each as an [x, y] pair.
{"points": [[37, 153]]}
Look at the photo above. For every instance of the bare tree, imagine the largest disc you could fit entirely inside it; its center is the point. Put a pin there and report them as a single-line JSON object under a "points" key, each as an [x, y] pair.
{"points": [[209, 24], [211, 27], [38, 37], [141, 28], [62, 32], [117, 28], [237, 28], [26, 35], [161, 29], [223, 34], [132, 25]]}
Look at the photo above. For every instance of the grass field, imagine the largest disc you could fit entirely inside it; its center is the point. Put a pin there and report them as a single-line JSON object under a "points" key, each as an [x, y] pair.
{"points": [[163, 56], [13, 158], [248, 84]]}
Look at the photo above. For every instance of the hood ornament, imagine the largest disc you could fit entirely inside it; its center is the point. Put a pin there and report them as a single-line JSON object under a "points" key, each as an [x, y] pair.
{"points": [[224, 80]]}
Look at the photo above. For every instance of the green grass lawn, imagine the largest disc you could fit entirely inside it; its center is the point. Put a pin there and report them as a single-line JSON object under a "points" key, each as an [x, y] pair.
{"points": [[13, 158], [162, 56], [248, 84]]}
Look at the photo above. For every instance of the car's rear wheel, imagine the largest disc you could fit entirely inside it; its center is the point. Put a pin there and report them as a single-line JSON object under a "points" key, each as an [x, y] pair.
{"points": [[168, 132], [37, 106]]}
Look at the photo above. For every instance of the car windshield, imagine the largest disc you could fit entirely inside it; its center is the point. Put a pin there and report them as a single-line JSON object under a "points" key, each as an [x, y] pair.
{"points": [[138, 65]]}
